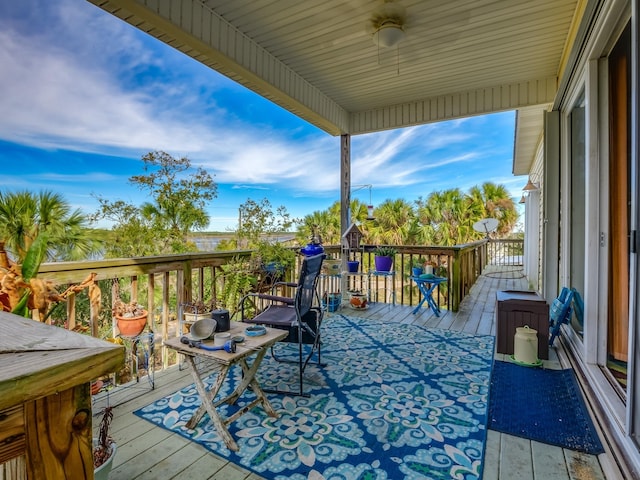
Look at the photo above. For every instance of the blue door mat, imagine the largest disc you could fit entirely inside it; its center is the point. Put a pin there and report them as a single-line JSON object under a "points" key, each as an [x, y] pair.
{"points": [[542, 405]]}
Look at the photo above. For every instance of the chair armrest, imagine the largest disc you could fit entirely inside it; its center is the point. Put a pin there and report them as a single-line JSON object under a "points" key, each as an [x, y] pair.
{"points": [[262, 296], [285, 284], [276, 298], [275, 286]]}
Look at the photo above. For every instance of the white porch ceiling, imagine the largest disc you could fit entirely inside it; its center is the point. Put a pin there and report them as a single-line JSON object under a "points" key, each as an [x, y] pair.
{"points": [[314, 57]]}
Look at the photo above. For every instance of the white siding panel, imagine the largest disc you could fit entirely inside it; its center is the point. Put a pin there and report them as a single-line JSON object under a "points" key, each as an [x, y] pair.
{"points": [[448, 107], [196, 20]]}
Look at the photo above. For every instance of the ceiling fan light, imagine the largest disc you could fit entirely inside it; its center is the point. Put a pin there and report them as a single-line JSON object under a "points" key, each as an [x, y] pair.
{"points": [[388, 35]]}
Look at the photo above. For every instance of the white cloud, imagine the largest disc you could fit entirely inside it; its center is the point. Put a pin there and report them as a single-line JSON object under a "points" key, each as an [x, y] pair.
{"points": [[75, 78]]}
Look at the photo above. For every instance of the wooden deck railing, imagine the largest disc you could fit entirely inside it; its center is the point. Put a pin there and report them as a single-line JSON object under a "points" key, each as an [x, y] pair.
{"points": [[161, 283]]}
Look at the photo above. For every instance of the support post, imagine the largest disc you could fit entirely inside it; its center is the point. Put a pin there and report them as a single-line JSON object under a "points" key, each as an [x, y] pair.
{"points": [[345, 202]]}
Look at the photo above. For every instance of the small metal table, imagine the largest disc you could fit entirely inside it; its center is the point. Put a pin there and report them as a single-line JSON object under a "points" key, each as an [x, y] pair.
{"points": [[251, 346], [387, 277], [426, 287]]}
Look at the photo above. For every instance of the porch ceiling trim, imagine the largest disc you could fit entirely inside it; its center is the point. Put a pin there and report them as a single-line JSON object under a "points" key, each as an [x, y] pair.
{"points": [[464, 104], [219, 45], [314, 64]]}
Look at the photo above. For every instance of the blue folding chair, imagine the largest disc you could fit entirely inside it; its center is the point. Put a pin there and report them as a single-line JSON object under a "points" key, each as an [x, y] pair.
{"points": [[560, 312], [578, 307]]}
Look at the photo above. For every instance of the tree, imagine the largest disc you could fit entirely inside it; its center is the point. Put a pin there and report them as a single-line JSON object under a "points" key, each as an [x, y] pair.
{"points": [[179, 200], [393, 223], [498, 204], [24, 216], [443, 217], [259, 219], [160, 226], [327, 223], [132, 234], [322, 222]]}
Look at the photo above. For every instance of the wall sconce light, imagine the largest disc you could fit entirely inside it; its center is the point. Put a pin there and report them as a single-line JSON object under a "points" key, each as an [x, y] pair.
{"points": [[532, 184], [523, 200]]}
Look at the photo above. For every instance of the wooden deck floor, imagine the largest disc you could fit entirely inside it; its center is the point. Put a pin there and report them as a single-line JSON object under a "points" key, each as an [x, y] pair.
{"points": [[149, 452]]}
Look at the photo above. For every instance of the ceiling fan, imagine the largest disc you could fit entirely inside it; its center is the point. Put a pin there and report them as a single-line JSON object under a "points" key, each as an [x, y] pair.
{"points": [[387, 24]]}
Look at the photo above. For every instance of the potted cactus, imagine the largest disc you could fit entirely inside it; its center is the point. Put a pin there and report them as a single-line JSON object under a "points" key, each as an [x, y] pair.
{"points": [[131, 318], [384, 258]]}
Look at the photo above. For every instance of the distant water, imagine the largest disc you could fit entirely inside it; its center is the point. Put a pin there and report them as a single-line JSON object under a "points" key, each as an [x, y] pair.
{"points": [[206, 243]]}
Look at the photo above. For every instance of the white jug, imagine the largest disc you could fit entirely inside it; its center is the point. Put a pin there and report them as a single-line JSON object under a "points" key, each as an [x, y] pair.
{"points": [[525, 346]]}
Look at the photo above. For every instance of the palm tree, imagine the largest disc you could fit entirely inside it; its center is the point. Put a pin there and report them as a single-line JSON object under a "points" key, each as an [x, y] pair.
{"points": [[443, 217], [322, 222], [393, 226], [24, 216], [498, 204]]}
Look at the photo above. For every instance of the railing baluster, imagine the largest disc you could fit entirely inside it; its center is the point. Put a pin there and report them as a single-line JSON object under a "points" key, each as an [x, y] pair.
{"points": [[462, 264]]}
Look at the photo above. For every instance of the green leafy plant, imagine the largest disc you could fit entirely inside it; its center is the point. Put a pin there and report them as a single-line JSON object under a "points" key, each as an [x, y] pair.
{"points": [[276, 254], [29, 270], [418, 262], [385, 251], [239, 279]]}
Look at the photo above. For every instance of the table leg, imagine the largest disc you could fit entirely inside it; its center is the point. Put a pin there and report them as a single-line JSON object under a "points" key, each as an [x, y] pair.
{"points": [[432, 303], [257, 390], [248, 378], [208, 406], [417, 309], [427, 295], [424, 294]]}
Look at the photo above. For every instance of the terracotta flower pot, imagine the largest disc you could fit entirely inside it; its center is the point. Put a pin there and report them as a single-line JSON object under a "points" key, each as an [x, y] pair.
{"points": [[131, 326]]}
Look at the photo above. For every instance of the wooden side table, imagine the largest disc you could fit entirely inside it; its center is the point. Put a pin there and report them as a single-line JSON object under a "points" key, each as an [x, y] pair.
{"points": [[224, 361]]}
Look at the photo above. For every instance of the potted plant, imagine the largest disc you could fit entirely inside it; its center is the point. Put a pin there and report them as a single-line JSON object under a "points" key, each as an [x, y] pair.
{"points": [[104, 448], [272, 261], [131, 318], [274, 256], [197, 310], [353, 266], [384, 258], [417, 266], [240, 277]]}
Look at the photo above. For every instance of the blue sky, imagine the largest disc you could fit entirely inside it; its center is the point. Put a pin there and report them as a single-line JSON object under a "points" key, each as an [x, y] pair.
{"points": [[85, 96]]}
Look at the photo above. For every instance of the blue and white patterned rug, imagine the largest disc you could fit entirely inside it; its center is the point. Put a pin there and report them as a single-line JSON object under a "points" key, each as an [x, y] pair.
{"points": [[394, 402]]}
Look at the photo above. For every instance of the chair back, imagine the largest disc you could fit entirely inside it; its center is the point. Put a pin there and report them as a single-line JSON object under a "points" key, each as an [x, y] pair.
{"points": [[307, 283]]}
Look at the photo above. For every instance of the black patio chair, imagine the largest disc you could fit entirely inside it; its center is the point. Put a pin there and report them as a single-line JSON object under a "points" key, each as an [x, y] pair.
{"points": [[301, 315]]}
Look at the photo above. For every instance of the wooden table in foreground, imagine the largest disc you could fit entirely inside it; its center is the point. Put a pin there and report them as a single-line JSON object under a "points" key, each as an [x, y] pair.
{"points": [[257, 346], [45, 400]]}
